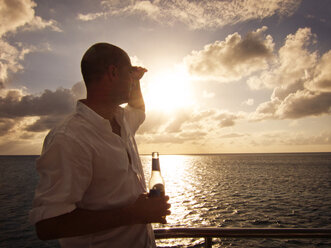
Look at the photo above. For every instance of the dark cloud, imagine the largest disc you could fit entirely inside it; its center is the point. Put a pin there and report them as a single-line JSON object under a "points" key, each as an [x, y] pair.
{"points": [[50, 106], [296, 105], [57, 102], [27, 136], [45, 123], [282, 92], [6, 125], [305, 103]]}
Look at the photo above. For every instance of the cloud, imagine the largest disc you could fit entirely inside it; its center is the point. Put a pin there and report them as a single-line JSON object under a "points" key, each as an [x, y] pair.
{"points": [[45, 123], [227, 119], [321, 80], [10, 58], [6, 125], [323, 138], [300, 104], [233, 58], [284, 72], [266, 110], [232, 135], [155, 121], [304, 103], [90, 16], [187, 126], [38, 23], [58, 102], [18, 13], [197, 14], [25, 118], [281, 138], [248, 102], [177, 123], [78, 90], [35, 112], [161, 138], [301, 88], [14, 15]]}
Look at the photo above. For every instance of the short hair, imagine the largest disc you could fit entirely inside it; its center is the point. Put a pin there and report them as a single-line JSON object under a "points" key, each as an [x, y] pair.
{"points": [[97, 58]]}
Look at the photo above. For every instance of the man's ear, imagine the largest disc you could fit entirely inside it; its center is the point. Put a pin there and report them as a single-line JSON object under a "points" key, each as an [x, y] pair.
{"points": [[112, 71]]}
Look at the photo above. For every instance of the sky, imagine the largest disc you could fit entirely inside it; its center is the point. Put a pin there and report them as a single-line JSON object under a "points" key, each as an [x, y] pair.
{"points": [[240, 76]]}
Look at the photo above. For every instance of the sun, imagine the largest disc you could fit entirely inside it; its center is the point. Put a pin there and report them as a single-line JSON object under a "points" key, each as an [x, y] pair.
{"points": [[169, 90]]}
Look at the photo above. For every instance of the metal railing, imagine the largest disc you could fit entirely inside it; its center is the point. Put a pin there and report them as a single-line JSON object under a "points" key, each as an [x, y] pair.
{"points": [[209, 233]]}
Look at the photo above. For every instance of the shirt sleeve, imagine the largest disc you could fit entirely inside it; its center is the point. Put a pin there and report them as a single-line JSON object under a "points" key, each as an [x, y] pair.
{"points": [[65, 172], [134, 117]]}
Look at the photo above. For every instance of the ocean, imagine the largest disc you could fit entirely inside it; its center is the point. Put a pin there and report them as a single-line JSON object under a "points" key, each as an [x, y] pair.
{"points": [[223, 190]]}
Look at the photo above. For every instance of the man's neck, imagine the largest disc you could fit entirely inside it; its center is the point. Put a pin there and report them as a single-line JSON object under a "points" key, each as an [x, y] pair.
{"points": [[106, 110]]}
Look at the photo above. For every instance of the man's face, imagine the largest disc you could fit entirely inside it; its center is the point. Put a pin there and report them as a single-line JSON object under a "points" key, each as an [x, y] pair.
{"points": [[122, 86]]}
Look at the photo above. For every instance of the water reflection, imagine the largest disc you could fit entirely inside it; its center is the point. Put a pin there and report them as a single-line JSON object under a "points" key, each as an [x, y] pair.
{"points": [[246, 191]]}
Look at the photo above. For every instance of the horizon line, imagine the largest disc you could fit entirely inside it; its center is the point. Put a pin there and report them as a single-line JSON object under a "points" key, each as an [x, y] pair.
{"points": [[192, 154]]}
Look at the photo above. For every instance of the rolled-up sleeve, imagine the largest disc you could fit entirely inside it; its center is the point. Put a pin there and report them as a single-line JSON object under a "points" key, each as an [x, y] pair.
{"points": [[135, 117], [65, 172]]}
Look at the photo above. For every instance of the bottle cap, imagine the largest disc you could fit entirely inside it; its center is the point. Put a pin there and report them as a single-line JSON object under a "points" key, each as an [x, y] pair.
{"points": [[155, 155]]}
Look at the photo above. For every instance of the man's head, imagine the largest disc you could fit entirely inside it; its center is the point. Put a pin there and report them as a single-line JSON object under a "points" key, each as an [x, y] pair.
{"points": [[107, 67]]}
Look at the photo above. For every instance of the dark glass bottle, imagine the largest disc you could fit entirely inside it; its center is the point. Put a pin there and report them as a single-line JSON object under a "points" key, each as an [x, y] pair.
{"points": [[156, 183]]}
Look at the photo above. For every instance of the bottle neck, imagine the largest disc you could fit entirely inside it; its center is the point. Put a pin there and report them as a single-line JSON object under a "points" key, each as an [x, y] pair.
{"points": [[155, 164]]}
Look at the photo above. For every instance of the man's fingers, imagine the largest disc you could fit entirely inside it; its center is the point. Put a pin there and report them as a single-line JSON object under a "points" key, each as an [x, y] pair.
{"points": [[143, 196], [138, 68], [163, 220]]}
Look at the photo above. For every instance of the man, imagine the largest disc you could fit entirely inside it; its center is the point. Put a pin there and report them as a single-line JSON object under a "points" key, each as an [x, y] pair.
{"points": [[92, 189]]}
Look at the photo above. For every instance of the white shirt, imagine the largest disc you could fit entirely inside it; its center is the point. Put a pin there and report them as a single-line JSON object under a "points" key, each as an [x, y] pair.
{"points": [[84, 164]]}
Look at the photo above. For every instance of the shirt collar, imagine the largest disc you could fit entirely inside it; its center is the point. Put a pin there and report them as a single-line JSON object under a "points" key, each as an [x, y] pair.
{"points": [[89, 114], [95, 118]]}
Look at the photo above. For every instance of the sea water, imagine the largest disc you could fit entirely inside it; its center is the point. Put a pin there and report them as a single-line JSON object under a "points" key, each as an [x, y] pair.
{"points": [[223, 190]]}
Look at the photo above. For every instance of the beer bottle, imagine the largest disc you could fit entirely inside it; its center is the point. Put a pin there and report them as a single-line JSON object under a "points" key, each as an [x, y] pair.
{"points": [[156, 183]]}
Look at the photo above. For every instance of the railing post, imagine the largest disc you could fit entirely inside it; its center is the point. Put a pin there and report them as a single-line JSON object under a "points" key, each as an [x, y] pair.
{"points": [[208, 242]]}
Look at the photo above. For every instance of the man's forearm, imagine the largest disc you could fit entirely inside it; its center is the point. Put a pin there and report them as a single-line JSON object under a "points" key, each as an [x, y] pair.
{"points": [[82, 222], [136, 98]]}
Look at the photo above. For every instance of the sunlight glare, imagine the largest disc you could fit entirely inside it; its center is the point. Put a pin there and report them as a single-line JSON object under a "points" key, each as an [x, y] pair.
{"points": [[169, 90]]}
